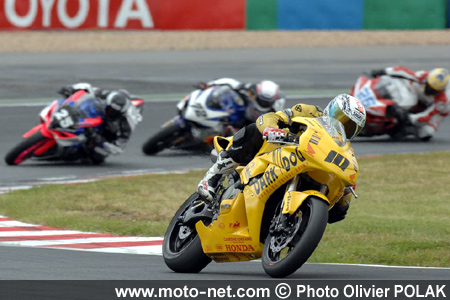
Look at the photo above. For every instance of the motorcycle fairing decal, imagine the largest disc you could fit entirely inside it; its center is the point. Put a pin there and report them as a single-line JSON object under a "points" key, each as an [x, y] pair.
{"points": [[273, 178], [90, 122], [233, 238], [46, 113], [316, 137], [365, 92]]}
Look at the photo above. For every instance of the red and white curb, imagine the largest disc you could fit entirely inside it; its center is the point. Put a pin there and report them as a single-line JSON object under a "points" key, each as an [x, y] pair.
{"points": [[15, 233]]}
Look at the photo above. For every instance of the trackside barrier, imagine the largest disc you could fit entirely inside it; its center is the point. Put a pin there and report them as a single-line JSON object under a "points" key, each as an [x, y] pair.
{"points": [[223, 14], [405, 14], [122, 14]]}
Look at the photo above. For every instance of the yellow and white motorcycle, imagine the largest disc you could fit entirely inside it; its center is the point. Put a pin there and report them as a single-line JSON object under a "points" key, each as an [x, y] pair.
{"points": [[274, 208]]}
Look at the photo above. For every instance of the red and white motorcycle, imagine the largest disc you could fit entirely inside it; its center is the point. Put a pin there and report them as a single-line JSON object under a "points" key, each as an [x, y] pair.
{"points": [[67, 130], [384, 115]]}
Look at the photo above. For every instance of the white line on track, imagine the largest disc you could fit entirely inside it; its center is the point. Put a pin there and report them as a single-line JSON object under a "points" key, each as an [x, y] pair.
{"points": [[381, 266]]}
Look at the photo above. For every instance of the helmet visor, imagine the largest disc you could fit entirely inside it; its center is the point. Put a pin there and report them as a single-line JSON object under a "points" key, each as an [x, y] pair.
{"points": [[351, 128]]}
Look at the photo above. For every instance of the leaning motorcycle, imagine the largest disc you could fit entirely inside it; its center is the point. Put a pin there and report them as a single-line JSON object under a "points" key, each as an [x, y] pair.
{"points": [[274, 208], [384, 115], [65, 128], [202, 115]]}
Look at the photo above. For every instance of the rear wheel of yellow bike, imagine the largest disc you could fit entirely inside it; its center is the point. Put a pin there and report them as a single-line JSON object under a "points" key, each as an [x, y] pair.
{"points": [[182, 249], [293, 238]]}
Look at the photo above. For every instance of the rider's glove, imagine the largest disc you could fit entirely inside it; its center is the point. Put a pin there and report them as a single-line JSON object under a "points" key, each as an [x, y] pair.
{"points": [[273, 134], [377, 72]]}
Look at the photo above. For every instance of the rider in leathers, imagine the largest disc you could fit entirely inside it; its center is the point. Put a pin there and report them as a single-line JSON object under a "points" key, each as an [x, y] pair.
{"points": [[422, 97], [275, 127], [121, 118], [258, 98]]}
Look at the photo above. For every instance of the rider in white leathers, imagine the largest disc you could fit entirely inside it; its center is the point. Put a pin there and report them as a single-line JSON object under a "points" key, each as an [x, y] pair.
{"points": [[422, 96]]}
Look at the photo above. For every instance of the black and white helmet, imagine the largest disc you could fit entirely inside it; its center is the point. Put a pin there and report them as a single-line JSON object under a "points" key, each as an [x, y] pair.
{"points": [[267, 92], [117, 104]]}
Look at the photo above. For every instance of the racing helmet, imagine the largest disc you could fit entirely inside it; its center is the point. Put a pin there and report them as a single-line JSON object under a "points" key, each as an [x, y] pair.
{"points": [[349, 111], [117, 103], [437, 81], [267, 92]]}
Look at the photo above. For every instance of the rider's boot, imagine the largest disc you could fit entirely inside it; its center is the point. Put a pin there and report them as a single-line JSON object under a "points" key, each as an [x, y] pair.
{"points": [[223, 166]]}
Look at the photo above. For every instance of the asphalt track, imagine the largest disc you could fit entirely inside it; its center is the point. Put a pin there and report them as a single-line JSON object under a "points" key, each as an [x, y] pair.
{"points": [[37, 76]]}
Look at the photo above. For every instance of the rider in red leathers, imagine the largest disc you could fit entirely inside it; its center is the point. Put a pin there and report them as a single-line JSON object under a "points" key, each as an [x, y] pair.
{"points": [[422, 96]]}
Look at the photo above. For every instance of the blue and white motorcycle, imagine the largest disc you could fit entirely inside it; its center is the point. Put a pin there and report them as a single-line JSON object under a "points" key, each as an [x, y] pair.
{"points": [[202, 114]]}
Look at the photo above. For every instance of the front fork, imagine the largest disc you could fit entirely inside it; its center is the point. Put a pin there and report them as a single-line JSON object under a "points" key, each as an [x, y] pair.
{"points": [[280, 220]]}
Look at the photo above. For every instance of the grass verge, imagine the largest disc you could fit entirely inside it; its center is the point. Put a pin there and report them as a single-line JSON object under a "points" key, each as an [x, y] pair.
{"points": [[401, 218]]}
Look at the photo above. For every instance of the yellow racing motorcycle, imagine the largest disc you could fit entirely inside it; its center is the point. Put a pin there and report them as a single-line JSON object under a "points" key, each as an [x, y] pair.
{"points": [[274, 208]]}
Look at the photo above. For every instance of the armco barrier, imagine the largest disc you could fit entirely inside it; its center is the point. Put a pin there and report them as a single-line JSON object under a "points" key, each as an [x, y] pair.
{"points": [[122, 14]]}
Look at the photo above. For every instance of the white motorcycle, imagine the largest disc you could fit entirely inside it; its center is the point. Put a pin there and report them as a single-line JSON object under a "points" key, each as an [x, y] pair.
{"points": [[202, 115]]}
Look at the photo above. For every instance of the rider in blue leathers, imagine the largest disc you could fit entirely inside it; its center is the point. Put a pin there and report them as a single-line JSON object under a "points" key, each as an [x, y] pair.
{"points": [[258, 98], [121, 117]]}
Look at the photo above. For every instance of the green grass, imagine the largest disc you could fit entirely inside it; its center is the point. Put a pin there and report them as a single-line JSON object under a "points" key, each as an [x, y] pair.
{"points": [[402, 216]]}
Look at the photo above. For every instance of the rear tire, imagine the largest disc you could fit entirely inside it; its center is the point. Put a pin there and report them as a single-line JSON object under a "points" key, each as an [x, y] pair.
{"points": [[182, 249], [161, 139], [24, 149], [311, 221]]}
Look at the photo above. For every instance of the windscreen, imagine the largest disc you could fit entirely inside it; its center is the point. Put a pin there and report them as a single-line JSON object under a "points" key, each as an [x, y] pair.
{"points": [[335, 129]]}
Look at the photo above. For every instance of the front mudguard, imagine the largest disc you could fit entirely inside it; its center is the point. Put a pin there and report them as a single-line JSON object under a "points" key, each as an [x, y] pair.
{"points": [[294, 199]]}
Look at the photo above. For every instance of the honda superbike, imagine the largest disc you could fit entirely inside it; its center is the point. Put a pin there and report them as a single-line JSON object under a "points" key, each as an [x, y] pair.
{"points": [[68, 130], [384, 115], [274, 208], [202, 114]]}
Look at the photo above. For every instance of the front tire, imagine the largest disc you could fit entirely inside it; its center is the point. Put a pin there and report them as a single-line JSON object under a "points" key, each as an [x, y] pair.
{"points": [[161, 139], [285, 251], [182, 249], [25, 149]]}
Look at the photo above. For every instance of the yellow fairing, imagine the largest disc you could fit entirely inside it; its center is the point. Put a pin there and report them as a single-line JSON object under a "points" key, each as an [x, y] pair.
{"points": [[294, 199], [326, 160]]}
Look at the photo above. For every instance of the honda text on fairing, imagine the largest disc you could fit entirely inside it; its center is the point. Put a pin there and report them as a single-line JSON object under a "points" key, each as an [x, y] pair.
{"points": [[274, 208], [202, 115], [65, 130]]}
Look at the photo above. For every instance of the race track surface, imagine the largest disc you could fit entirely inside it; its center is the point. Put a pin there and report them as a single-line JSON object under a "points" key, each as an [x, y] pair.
{"points": [[38, 76]]}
